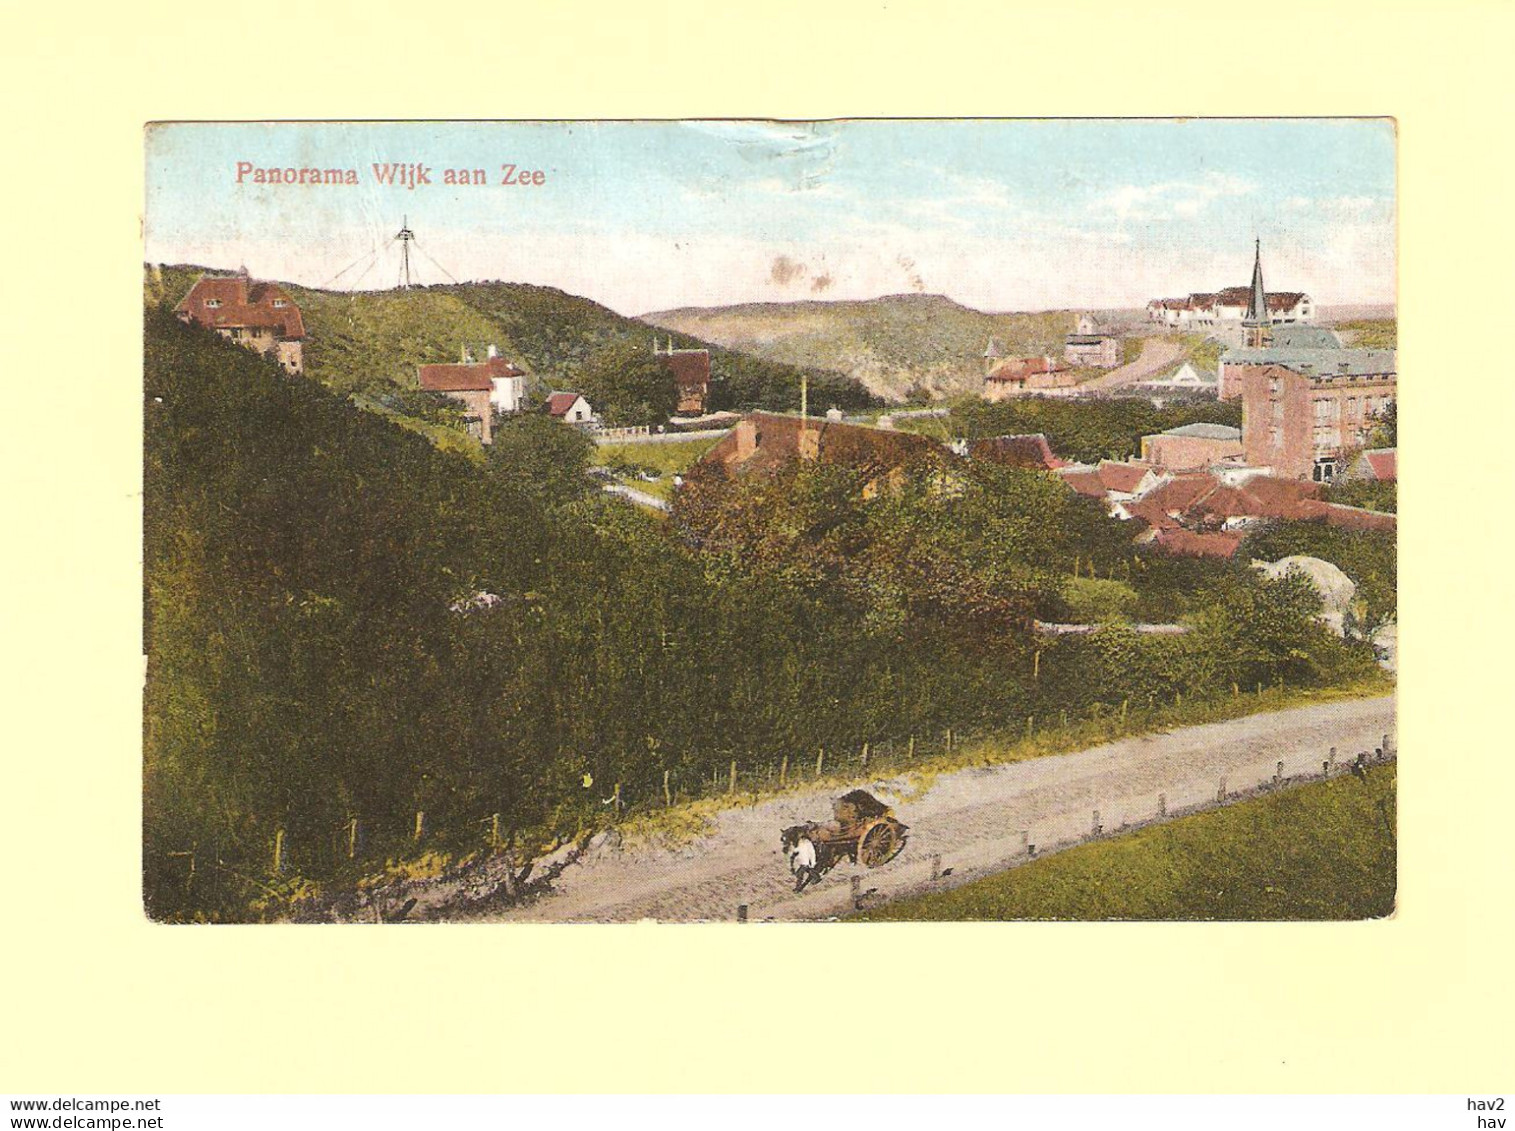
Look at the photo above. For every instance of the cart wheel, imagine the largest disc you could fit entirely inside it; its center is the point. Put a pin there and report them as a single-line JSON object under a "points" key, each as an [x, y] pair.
{"points": [[878, 844]]}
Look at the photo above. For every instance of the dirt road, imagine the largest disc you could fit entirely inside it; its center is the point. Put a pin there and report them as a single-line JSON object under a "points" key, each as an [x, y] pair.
{"points": [[973, 818], [1157, 355]]}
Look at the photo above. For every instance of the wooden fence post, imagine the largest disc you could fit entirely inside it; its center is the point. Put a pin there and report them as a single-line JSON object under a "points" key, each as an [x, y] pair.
{"points": [[1235, 690], [420, 827], [1036, 665], [494, 830], [731, 787], [1030, 724], [865, 755], [1065, 718], [352, 838], [278, 852], [820, 760], [667, 794], [784, 771], [1162, 804], [1124, 706], [910, 753]]}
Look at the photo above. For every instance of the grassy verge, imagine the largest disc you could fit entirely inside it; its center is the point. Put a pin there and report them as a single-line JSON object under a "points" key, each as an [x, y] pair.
{"points": [[666, 459], [447, 439], [1324, 851], [921, 761]]}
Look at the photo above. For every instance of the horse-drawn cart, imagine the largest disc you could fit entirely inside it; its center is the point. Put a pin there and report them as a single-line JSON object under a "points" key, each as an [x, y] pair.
{"points": [[864, 831]]}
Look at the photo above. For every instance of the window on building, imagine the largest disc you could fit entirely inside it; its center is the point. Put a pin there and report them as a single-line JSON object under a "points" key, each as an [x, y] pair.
{"points": [[212, 303], [1325, 470], [278, 302]]}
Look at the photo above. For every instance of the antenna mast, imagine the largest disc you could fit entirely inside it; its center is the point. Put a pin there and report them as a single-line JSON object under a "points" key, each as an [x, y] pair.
{"points": [[405, 235]]}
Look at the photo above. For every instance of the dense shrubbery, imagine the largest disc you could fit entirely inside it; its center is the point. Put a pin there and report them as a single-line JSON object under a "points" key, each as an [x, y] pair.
{"points": [[306, 664], [1089, 430], [1368, 557]]}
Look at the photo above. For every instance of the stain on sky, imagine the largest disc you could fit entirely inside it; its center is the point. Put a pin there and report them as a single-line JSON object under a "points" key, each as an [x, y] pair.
{"points": [[785, 270], [917, 284], [820, 283]]}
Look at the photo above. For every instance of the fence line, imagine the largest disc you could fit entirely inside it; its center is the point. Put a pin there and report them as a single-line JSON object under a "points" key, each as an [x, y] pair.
{"points": [[361, 842]]}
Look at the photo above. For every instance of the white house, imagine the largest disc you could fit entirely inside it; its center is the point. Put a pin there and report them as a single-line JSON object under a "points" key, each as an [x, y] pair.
{"points": [[570, 407]]}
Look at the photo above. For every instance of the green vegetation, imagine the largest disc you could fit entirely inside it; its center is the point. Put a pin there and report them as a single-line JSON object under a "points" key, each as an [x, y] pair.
{"points": [[1202, 351], [1089, 431], [370, 343], [632, 462], [628, 385], [1370, 494], [345, 623], [1093, 600], [1323, 851], [1370, 333], [1368, 557], [899, 346]]}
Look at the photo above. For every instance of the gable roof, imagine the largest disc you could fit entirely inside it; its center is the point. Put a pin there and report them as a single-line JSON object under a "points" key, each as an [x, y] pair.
{"points": [[1191, 543], [776, 442], [558, 404], [690, 368], [241, 302], [1020, 368], [1123, 477], [1030, 451], [475, 376], [1381, 463]]}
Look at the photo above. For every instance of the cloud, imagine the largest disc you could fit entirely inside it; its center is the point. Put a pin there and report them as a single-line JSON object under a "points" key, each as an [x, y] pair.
{"points": [[1170, 198]]}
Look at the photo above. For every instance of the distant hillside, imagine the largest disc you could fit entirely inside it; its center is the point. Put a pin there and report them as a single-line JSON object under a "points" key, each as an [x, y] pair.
{"points": [[372, 341], [894, 345]]}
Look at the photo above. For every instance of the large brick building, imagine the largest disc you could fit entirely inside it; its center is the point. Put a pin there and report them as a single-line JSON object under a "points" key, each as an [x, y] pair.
{"points": [[1089, 345], [257, 316], [1303, 425]]}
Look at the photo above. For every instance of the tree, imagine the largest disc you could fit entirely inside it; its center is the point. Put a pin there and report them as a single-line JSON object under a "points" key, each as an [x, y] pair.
{"points": [[628, 385], [541, 458], [1386, 427]]}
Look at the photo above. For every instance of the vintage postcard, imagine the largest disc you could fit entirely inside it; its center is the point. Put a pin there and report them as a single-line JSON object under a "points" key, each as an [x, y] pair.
{"points": [[746, 521]]}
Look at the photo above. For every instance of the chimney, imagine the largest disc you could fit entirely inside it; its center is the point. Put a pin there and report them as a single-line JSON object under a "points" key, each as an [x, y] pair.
{"points": [[493, 351]]}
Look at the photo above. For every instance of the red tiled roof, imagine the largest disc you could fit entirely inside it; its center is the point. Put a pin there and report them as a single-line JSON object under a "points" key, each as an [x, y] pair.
{"points": [[1030, 451], [1085, 481], [1122, 477], [1220, 544], [1383, 462], [472, 377], [1180, 493], [1348, 518], [558, 404], [1019, 368], [778, 443], [690, 368], [243, 303]]}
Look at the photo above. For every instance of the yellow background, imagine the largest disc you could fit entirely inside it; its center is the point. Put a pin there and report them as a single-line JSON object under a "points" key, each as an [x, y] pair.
{"points": [[96, 999]]}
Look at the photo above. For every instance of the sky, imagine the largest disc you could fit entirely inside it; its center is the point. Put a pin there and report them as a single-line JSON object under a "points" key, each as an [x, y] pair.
{"points": [[999, 215]]}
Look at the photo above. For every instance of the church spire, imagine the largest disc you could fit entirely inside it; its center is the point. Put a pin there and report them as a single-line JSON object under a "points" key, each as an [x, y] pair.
{"points": [[1258, 319]]}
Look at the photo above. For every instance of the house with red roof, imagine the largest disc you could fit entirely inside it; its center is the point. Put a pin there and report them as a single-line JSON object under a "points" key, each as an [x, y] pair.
{"points": [[256, 315], [481, 387], [690, 370], [769, 441], [1017, 376], [1031, 451], [571, 408]]}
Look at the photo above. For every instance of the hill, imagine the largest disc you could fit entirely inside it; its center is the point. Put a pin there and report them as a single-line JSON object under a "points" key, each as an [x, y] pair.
{"points": [[895, 345], [370, 342]]}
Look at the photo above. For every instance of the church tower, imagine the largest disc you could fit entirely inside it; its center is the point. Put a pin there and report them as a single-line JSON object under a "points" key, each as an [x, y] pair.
{"points": [[1258, 322]]}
